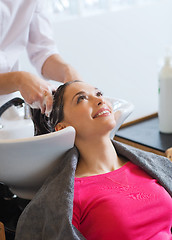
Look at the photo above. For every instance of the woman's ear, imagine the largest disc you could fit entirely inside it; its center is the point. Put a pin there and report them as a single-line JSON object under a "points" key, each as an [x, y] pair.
{"points": [[60, 126]]}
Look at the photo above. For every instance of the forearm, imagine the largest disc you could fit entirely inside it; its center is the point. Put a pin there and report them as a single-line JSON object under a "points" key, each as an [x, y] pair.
{"points": [[9, 82], [32, 88], [55, 68]]}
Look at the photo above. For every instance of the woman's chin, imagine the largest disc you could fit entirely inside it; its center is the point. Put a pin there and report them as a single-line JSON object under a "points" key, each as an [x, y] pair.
{"points": [[110, 125], [98, 130]]}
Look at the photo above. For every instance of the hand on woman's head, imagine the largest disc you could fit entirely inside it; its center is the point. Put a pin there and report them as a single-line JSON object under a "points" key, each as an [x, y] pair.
{"points": [[44, 124]]}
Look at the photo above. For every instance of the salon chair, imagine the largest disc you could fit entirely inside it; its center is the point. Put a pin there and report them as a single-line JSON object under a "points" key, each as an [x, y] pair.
{"points": [[25, 164]]}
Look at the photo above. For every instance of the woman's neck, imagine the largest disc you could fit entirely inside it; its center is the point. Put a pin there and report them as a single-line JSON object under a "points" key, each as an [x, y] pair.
{"points": [[97, 156]]}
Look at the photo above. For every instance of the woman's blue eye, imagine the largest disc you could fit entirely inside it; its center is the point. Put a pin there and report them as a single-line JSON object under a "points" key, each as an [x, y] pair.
{"points": [[80, 98]]}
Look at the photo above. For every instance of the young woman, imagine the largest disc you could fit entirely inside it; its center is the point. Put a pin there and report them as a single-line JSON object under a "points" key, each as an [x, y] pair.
{"points": [[113, 197]]}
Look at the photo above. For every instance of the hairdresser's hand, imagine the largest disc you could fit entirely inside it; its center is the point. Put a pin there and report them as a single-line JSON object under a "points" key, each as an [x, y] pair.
{"points": [[36, 91], [71, 74], [55, 68]]}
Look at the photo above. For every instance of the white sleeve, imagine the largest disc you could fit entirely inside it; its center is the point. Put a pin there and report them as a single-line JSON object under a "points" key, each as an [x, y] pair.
{"points": [[41, 44]]}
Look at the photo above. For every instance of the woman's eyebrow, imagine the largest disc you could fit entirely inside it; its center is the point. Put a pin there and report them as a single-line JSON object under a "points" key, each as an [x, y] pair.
{"points": [[81, 92], [78, 93]]}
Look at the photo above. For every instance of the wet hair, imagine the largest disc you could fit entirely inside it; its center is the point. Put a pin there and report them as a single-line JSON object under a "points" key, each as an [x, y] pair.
{"points": [[44, 124]]}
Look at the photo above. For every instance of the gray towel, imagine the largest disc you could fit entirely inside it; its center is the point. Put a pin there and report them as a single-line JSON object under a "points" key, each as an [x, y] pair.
{"points": [[49, 215]]}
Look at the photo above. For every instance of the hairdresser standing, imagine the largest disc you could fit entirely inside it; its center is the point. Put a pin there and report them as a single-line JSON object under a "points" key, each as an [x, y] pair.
{"points": [[24, 25]]}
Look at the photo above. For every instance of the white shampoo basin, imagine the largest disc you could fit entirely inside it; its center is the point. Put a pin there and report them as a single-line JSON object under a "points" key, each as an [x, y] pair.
{"points": [[13, 125], [26, 162]]}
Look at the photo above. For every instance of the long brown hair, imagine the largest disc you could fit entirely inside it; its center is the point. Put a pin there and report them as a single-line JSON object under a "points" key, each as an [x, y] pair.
{"points": [[44, 124]]}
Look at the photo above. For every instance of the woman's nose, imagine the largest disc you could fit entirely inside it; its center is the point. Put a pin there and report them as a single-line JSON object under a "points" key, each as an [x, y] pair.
{"points": [[100, 101]]}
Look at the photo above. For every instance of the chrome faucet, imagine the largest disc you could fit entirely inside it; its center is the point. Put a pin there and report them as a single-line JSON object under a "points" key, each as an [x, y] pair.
{"points": [[14, 101], [26, 111]]}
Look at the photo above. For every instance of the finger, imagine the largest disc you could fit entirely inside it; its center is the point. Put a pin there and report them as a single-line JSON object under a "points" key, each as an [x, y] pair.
{"points": [[41, 102], [42, 107], [35, 104], [52, 88], [48, 102]]}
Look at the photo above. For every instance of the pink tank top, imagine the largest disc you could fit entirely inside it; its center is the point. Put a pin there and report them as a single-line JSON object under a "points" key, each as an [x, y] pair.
{"points": [[126, 204]]}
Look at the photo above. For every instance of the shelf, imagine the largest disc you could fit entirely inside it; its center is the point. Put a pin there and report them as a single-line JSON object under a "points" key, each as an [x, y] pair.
{"points": [[144, 134]]}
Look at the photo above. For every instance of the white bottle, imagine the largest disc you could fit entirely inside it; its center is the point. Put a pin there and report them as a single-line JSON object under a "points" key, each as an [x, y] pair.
{"points": [[165, 97]]}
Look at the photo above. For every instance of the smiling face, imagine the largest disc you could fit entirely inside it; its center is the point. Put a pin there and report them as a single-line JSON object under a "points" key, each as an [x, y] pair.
{"points": [[87, 111]]}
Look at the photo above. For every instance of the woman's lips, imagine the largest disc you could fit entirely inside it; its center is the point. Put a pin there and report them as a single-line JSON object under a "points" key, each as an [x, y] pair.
{"points": [[102, 112]]}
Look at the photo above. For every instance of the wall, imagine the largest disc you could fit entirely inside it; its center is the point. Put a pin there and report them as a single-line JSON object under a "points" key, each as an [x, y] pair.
{"points": [[120, 51]]}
